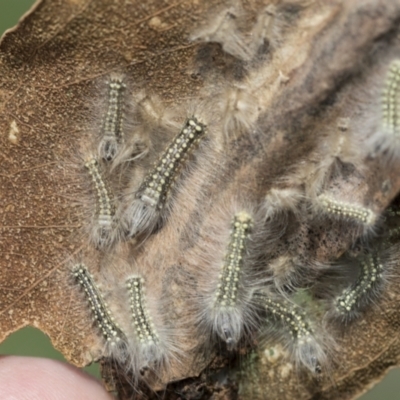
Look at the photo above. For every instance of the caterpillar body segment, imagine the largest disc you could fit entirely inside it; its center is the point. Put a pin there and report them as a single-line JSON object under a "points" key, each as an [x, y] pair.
{"points": [[112, 133]]}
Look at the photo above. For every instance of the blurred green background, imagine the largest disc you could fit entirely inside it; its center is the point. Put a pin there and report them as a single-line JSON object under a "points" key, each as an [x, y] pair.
{"points": [[32, 342]]}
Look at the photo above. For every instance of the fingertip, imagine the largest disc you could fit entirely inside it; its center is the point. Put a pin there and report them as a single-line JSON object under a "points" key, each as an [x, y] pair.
{"points": [[28, 378]]}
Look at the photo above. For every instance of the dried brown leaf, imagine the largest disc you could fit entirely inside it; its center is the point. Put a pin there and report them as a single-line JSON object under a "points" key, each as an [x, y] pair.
{"points": [[50, 66]]}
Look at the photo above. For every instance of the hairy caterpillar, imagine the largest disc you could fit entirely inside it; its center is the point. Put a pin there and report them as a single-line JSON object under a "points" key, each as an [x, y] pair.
{"points": [[151, 197], [104, 230], [224, 298], [141, 320], [391, 100], [301, 339], [109, 328], [153, 342], [385, 138], [361, 290], [352, 212]]}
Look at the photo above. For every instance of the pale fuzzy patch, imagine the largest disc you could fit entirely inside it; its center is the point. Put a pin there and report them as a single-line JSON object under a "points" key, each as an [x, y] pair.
{"points": [[269, 78], [225, 28], [14, 133], [134, 148], [284, 211], [273, 354], [283, 271], [282, 200], [336, 147], [290, 272], [239, 111], [222, 28], [152, 111], [265, 29], [269, 29]]}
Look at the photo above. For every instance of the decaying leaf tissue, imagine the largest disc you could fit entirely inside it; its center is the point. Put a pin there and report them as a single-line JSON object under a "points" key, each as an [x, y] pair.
{"points": [[202, 194]]}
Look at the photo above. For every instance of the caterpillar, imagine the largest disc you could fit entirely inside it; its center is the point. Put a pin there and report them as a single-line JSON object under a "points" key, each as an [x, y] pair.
{"points": [[352, 212], [103, 231], [110, 330], [301, 338], [391, 100], [141, 320], [226, 311], [369, 279], [385, 138], [150, 199]]}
